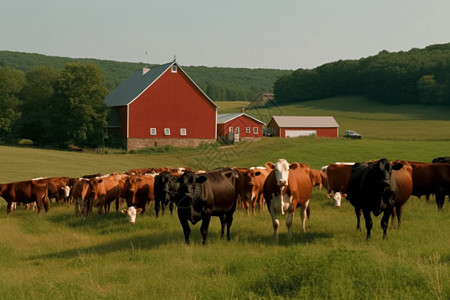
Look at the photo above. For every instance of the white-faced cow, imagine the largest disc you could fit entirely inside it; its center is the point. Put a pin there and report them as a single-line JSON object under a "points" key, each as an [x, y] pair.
{"points": [[139, 190], [371, 189], [131, 212], [201, 196], [287, 187], [25, 192], [338, 178]]}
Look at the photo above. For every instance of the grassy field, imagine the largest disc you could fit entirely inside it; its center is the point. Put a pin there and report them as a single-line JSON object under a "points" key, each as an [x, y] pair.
{"points": [[59, 256]]}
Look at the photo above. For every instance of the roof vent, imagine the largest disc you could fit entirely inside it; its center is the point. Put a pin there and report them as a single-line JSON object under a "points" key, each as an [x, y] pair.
{"points": [[145, 70]]}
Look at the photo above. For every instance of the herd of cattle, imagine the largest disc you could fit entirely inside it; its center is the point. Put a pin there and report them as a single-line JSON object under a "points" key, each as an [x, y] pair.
{"points": [[376, 187]]}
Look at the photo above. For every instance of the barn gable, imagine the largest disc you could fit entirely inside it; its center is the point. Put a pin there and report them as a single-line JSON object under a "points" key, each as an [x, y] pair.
{"points": [[161, 106], [247, 127]]}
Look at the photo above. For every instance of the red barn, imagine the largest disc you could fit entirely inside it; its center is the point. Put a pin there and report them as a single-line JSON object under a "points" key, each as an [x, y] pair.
{"points": [[294, 126], [241, 125], [161, 106]]}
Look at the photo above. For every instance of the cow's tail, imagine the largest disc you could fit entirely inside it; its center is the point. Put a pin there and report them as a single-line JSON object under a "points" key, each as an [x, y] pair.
{"points": [[308, 211]]}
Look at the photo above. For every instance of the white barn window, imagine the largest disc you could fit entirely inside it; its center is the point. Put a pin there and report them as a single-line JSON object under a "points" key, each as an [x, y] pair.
{"points": [[174, 68], [236, 129], [247, 130], [230, 129], [255, 130], [166, 131], [183, 131], [152, 131]]}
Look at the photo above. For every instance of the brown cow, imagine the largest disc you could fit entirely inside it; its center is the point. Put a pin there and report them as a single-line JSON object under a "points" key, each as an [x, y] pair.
{"points": [[285, 188], [58, 188], [250, 187], [102, 191], [26, 192], [338, 178], [78, 194], [139, 190], [318, 178], [403, 179], [431, 178]]}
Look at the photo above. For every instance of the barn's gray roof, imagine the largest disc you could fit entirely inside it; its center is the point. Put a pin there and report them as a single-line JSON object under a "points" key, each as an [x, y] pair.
{"points": [[138, 82], [307, 121], [223, 118]]}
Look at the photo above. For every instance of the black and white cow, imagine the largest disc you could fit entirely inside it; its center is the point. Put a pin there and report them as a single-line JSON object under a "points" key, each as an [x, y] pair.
{"points": [[201, 196], [371, 189]]}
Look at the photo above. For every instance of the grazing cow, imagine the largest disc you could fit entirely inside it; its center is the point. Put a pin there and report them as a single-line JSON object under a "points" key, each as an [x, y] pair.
{"points": [[78, 197], [166, 186], [431, 178], [26, 192], [338, 178], [58, 188], [403, 191], [318, 178], [445, 159], [371, 189], [102, 191], [139, 190], [131, 212], [201, 196], [286, 187], [250, 187]]}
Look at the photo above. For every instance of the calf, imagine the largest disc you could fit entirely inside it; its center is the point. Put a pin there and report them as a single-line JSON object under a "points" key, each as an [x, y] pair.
{"points": [[25, 192], [139, 190], [286, 187], [372, 188], [201, 196]]}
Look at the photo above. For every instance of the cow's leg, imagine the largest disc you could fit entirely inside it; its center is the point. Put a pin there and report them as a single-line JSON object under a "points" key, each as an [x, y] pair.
{"points": [[171, 207], [358, 218], [289, 220], [385, 220], [8, 207], [229, 220], [222, 219], [204, 228], [369, 223], [275, 223], [186, 228], [157, 206], [440, 198], [304, 214], [399, 211], [117, 205]]}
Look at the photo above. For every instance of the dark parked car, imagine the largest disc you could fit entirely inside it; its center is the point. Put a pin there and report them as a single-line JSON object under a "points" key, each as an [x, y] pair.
{"points": [[351, 134]]}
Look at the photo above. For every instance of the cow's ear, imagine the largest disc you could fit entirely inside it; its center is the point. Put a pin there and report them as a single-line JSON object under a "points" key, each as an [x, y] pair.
{"points": [[124, 211], [397, 166], [201, 179], [344, 195], [294, 166], [329, 196], [270, 165], [138, 211]]}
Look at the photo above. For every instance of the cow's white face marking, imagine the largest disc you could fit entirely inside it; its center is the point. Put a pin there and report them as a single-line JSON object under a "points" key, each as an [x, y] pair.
{"points": [[67, 191], [282, 172], [337, 198], [132, 212]]}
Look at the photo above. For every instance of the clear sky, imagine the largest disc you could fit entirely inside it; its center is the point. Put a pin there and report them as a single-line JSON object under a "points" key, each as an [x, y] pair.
{"points": [[275, 34]]}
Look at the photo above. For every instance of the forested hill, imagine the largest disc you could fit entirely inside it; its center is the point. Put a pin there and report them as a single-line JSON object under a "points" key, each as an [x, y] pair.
{"points": [[411, 77], [219, 83]]}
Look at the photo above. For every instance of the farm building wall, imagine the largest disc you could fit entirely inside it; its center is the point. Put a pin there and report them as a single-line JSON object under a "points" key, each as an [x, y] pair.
{"points": [[137, 143], [244, 124], [320, 132]]}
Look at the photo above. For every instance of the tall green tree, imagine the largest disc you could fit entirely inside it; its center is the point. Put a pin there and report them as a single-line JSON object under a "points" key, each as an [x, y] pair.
{"points": [[78, 110], [36, 98], [11, 83]]}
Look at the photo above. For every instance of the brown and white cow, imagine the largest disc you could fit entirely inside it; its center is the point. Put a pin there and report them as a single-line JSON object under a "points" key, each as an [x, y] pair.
{"points": [[286, 187], [25, 192], [139, 190], [338, 178], [78, 194], [58, 188]]}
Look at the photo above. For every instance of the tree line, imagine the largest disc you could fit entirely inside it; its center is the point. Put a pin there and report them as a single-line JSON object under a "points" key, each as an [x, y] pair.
{"points": [[418, 76]]}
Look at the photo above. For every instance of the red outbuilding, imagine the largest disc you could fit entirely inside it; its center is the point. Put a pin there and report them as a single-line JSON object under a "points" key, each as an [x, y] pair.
{"points": [[240, 125], [294, 126], [161, 106]]}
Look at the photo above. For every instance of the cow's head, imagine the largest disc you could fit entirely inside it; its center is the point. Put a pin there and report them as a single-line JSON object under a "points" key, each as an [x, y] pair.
{"points": [[93, 192], [188, 194], [337, 197], [132, 212], [131, 187], [281, 168], [165, 187], [381, 172]]}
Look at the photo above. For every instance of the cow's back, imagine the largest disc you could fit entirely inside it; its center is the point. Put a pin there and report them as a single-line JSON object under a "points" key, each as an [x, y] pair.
{"points": [[222, 187], [300, 184]]}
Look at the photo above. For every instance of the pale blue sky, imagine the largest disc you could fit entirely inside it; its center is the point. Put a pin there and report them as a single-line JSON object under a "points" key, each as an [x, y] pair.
{"points": [[281, 34]]}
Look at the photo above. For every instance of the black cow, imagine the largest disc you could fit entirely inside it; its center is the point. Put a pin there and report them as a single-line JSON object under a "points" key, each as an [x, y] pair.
{"points": [[209, 194], [166, 186], [445, 159], [371, 189]]}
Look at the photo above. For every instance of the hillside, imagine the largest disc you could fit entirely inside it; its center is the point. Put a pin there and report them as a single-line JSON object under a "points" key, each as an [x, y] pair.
{"points": [[219, 83]]}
